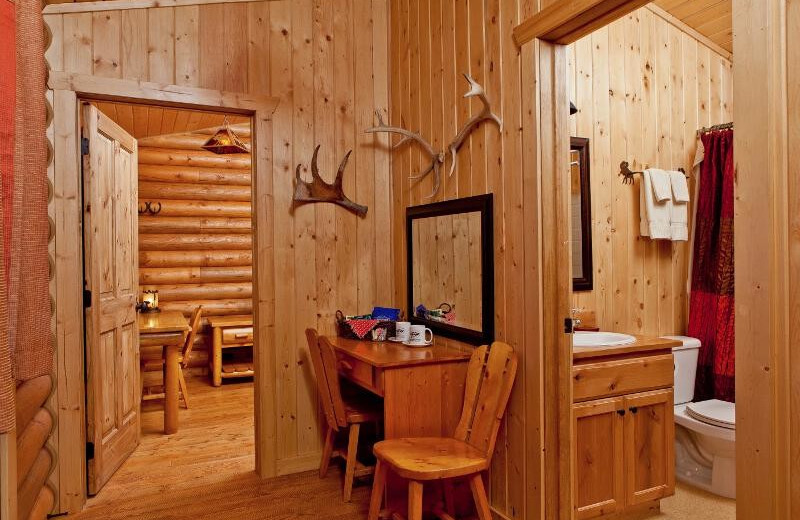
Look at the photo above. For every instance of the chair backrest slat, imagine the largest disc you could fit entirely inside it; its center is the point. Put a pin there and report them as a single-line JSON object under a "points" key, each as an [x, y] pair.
{"points": [[331, 365], [194, 323], [490, 378], [321, 377]]}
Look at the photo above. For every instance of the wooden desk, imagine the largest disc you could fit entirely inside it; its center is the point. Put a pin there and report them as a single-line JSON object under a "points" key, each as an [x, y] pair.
{"points": [[166, 329], [422, 389], [230, 332]]}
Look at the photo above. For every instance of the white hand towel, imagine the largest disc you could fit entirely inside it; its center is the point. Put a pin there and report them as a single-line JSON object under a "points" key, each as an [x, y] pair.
{"points": [[679, 219], [680, 188], [655, 216], [662, 190]]}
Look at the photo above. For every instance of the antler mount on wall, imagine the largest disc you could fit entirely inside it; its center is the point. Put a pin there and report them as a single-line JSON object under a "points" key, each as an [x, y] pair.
{"points": [[438, 157], [320, 191]]}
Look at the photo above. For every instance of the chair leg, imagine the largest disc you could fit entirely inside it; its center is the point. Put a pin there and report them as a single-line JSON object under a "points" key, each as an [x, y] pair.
{"points": [[479, 495], [184, 390], [415, 500], [449, 499], [326, 452], [378, 483], [350, 468]]}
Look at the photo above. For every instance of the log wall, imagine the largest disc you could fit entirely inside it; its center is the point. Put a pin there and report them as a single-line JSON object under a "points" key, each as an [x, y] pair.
{"points": [[35, 498], [198, 249]]}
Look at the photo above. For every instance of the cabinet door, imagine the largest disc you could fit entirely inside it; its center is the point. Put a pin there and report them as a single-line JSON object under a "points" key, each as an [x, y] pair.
{"points": [[597, 461], [649, 446]]}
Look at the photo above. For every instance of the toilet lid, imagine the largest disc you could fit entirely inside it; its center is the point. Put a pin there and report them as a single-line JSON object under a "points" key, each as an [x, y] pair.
{"points": [[714, 412]]}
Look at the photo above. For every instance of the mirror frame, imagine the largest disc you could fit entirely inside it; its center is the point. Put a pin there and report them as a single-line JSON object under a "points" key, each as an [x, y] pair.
{"points": [[484, 204], [586, 282]]}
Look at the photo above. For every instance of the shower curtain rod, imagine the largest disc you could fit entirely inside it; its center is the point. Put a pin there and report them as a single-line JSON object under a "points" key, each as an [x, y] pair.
{"points": [[726, 126]]}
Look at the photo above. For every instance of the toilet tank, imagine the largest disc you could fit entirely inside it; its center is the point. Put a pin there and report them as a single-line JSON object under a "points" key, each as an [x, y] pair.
{"points": [[685, 358]]}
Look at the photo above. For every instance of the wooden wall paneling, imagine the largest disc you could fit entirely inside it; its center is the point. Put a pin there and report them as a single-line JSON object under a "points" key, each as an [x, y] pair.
{"points": [[285, 356], [258, 52], [235, 48], [477, 68], [346, 290], [309, 420], [77, 43], [363, 162], [382, 69], [766, 255], [602, 190], [134, 31], [212, 37], [106, 44], [187, 48], [463, 177], [324, 120], [8, 475], [161, 45]]}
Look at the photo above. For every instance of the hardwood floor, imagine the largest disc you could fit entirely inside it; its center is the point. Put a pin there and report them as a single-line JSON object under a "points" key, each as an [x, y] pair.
{"points": [[205, 471]]}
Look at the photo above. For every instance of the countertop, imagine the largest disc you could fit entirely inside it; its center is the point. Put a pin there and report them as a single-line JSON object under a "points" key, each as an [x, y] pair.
{"points": [[644, 344], [386, 354]]}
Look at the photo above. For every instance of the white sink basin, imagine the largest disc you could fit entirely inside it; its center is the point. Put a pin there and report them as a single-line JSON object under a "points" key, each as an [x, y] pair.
{"points": [[601, 339]]}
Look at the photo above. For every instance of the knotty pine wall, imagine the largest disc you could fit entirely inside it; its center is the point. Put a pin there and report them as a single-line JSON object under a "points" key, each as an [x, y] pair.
{"points": [[433, 43], [328, 63], [198, 250], [643, 88]]}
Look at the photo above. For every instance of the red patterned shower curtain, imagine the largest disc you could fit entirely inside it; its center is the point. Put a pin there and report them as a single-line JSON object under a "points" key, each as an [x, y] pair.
{"points": [[711, 307], [25, 338]]}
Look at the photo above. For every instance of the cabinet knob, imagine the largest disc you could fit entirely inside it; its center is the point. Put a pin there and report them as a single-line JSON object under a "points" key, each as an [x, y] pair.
{"points": [[621, 413], [634, 409]]}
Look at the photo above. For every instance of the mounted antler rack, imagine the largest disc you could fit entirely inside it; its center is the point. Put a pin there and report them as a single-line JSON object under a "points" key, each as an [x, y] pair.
{"points": [[627, 174], [437, 158], [149, 208], [320, 191]]}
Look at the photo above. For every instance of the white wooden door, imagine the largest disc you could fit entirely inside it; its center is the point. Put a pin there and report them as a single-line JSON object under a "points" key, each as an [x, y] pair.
{"points": [[111, 281]]}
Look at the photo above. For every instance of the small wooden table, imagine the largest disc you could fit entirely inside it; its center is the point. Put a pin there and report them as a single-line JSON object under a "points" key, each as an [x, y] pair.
{"points": [[422, 389], [230, 332], [166, 329]]}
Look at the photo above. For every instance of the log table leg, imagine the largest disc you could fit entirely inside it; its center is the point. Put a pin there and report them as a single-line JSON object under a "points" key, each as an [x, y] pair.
{"points": [[171, 388], [216, 357]]}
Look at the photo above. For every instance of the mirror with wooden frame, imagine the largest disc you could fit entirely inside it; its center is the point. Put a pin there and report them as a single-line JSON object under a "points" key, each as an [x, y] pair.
{"points": [[450, 255], [581, 208]]}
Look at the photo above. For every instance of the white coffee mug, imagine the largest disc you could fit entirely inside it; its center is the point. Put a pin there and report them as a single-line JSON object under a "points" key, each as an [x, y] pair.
{"points": [[419, 334], [403, 330]]}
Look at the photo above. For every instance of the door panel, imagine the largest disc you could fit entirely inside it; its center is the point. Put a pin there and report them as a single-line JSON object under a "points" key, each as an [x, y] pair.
{"points": [[599, 487], [649, 457], [111, 274]]}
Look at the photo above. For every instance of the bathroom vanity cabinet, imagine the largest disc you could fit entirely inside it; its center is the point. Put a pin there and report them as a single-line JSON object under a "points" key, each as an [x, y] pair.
{"points": [[623, 429]]}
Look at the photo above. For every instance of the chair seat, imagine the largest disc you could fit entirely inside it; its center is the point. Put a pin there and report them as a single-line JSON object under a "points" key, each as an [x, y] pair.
{"points": [[430, 458]]}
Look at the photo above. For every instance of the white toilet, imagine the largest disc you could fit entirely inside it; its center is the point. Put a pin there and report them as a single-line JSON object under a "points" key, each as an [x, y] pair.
{"points": [[705, 435]]}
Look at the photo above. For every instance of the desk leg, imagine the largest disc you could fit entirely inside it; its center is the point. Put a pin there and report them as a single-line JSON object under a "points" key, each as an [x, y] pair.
{"points": [[171, 388], [216, 358]]}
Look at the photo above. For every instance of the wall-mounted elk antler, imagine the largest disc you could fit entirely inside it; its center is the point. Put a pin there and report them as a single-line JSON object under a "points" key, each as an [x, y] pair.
{"points": [[437, 158], [320, 191]]}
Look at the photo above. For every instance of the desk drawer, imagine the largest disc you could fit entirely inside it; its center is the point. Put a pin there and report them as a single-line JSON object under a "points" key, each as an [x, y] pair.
{"points": [[237, 335], [624, 376], [361, 373]]}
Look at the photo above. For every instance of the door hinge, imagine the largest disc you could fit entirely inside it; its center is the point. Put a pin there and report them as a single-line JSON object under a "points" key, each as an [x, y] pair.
{"points": [[89, 450], [87, 298], [84, 146], [569, 326]]}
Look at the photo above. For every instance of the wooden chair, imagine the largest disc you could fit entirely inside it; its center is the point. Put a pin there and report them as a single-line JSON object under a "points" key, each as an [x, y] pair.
{"points": [[490, 377], [340, 413], [153, 363]]}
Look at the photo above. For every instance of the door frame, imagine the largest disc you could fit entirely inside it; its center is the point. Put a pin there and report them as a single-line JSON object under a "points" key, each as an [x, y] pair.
{"points": [[65, 93], [767, 259]]}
